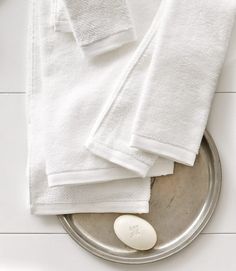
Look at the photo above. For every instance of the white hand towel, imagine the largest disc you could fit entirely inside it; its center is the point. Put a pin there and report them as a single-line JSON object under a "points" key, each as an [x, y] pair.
{"points": [[74, 92], [98, 26], [128, 195], [166, 103]]}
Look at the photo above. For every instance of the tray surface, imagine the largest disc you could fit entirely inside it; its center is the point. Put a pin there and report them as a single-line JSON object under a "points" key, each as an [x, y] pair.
{"points": [[181, 205]]}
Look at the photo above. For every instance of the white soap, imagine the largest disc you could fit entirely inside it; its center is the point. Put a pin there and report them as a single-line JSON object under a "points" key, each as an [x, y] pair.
{"points": [[135, 232]]}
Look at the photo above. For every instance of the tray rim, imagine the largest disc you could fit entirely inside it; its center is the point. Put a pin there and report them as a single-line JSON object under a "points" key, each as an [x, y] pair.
{"points": [[64, 220]]}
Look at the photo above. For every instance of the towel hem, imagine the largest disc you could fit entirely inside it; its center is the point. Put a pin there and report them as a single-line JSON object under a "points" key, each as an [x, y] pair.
{"points": [[109, 43], [120, 158], [165, 150], [89, 176], [162, 167], [103, 45], [141, 206]]}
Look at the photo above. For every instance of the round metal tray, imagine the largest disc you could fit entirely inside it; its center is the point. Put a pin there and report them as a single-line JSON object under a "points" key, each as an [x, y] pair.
{"points": [[181, 205]]}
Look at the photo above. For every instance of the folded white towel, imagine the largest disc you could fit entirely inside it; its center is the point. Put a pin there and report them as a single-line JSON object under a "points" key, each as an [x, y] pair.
{"points": [[98, 25], [162, 104], [128, 195], [74, 92], [118, 196]]}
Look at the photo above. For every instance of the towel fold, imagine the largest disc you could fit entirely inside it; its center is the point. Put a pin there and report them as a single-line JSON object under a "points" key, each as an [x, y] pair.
{"points": [[98, 25], [59, 102], [161, 105]]}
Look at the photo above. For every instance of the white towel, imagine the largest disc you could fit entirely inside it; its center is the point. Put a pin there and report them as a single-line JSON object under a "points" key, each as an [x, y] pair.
{"points": [[74, 92], [118, 196], [128, 195], [98, 26], [162, 108]]}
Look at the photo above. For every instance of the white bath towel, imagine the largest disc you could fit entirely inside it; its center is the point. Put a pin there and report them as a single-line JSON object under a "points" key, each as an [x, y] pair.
{"points": [[128, 195], [75, 90], [161, 105], [118, 196], [98, 26]]}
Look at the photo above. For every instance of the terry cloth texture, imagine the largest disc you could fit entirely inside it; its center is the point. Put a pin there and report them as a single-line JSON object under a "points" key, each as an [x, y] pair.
{"points": [[98, 26]]}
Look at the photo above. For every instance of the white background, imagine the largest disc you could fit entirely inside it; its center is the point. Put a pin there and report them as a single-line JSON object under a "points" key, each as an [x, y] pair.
{"points": [[39, 243]]}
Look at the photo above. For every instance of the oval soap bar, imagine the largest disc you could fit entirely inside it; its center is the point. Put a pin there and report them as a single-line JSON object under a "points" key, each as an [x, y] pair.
{"points": [[135, 232]]}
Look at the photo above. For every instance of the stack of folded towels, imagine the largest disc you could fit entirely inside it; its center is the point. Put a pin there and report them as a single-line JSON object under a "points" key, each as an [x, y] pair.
{"points": [[117, 92]]}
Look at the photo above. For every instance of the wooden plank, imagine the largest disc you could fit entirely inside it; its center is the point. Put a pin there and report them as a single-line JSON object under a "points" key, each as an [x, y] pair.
{"points": [[227, 82], [13, 19], [13, 32], [59, 252]]}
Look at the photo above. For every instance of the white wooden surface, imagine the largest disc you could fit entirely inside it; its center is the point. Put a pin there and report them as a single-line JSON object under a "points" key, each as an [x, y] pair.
{"points": [[39, 243]]}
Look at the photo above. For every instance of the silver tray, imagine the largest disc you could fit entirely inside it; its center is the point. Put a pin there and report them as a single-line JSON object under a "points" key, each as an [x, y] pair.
{"points": [[180, 207]]}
